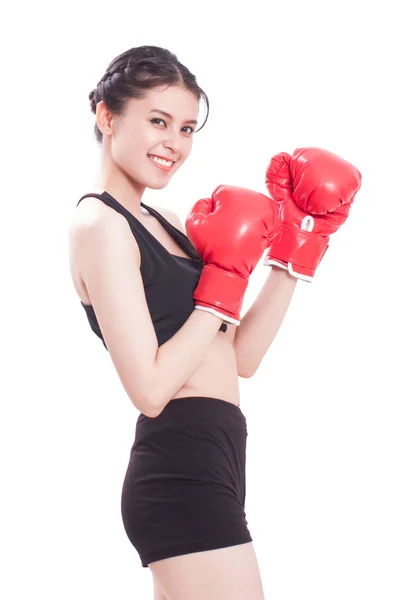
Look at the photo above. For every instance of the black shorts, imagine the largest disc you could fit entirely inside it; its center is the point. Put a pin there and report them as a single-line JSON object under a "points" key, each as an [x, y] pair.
{"points": [[185, 486]]}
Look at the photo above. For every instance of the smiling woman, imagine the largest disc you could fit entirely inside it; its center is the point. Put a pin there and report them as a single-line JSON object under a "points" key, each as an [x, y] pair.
{"points": [[136, 274], [142, 136]]}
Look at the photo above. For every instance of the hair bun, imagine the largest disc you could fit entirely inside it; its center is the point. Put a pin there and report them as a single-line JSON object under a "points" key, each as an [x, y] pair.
{"points": [[92, 100], [136, 71]]}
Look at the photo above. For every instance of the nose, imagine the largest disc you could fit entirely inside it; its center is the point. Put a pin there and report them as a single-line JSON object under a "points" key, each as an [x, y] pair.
{"points": [[174, 142]]}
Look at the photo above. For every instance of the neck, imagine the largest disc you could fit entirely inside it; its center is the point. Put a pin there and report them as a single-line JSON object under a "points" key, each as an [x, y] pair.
{"points": [[123, 188]]}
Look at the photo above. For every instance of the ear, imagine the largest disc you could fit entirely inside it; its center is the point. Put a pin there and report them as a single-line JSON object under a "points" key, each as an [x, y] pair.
{"points": [[104, 118]]}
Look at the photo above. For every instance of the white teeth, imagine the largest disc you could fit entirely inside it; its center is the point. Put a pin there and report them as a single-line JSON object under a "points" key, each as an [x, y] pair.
{"points": [[162, 161]]}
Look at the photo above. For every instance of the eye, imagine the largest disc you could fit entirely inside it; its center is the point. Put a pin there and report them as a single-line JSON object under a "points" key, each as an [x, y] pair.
{"points": [[188, 127], [158, 119]]}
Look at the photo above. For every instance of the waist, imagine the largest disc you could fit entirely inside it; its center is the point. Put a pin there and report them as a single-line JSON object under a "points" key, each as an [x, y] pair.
{"points": [[194, 408], [216, 375]]}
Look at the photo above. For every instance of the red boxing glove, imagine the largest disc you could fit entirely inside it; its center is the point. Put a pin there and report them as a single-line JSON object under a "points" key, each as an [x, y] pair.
{"points": [[314, 189], [230, 232]]}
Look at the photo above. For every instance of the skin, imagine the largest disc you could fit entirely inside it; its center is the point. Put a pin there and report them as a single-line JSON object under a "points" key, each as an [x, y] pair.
{"points": [[126, 169], [125, 172]]}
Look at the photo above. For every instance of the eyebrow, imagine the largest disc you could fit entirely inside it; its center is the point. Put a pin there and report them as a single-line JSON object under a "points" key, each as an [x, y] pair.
{"points": [[162, 112]]}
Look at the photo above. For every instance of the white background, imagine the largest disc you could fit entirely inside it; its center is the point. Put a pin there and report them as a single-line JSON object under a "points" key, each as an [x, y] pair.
{"points": [[323, 415]]}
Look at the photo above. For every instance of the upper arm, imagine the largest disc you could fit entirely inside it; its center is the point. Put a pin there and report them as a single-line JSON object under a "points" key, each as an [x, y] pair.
{"points": [[109, 267]]}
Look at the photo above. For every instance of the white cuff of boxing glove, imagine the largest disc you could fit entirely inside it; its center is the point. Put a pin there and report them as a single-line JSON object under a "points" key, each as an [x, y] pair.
{"points": [[269, 262], [218, 314], [301, 276]]}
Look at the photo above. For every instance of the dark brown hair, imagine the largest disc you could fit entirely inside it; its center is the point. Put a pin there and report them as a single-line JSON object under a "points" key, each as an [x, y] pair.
{"points": [[134, 72]]}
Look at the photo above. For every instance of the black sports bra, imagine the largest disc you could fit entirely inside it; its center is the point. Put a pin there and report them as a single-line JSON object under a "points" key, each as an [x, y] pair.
{"points": [[169, 280]]}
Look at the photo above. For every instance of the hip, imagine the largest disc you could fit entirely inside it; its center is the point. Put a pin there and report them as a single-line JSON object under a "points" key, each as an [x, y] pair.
{"points": [[194, 410], [191, 435]]}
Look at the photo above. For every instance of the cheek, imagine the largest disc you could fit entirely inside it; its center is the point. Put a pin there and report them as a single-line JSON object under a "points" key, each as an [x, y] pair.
{"points": [[187, 149], [128, 147]]}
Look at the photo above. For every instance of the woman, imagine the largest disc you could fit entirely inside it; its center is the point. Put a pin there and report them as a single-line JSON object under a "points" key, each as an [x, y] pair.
{"points": [[140, 279]]}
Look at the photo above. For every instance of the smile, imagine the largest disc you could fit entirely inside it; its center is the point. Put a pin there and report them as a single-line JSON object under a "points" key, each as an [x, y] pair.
{"points": [[161, 161]]}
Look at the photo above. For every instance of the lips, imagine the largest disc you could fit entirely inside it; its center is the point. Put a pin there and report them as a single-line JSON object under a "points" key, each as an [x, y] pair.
{"points": [[161, 165]]}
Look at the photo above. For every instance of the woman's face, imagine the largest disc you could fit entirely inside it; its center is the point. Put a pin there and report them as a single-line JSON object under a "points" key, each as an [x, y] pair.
{"points": [[159, 125]]}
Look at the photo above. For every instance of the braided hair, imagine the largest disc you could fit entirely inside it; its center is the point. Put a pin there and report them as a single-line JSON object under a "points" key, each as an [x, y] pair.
{"points": [[134, 72]]}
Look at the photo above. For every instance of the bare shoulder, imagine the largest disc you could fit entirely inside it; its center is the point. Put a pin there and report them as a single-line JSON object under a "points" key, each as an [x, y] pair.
{"points": [[93, 220], [170, 215], [92, 214], [92, 211]]}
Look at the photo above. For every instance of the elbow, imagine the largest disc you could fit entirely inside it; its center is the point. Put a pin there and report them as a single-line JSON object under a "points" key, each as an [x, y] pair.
{"points": [[146, 408], [146, 403], [246, 373], [152, 403], [149, 407], [245, 369], [148, 411]]}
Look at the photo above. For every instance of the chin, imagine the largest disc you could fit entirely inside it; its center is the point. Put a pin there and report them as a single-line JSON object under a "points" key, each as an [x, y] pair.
{"points": [[160, 185]]}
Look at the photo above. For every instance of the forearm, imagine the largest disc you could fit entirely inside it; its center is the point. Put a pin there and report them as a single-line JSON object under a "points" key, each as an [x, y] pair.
{"points": [[262, 321], [178, 358]]}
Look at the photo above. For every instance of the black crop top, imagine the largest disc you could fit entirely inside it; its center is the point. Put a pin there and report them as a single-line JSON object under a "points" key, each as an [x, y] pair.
{"points": [[169, 280]]}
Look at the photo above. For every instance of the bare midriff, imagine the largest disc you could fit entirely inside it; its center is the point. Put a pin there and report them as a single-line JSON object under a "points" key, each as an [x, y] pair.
{"points": [[216, 375]]}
